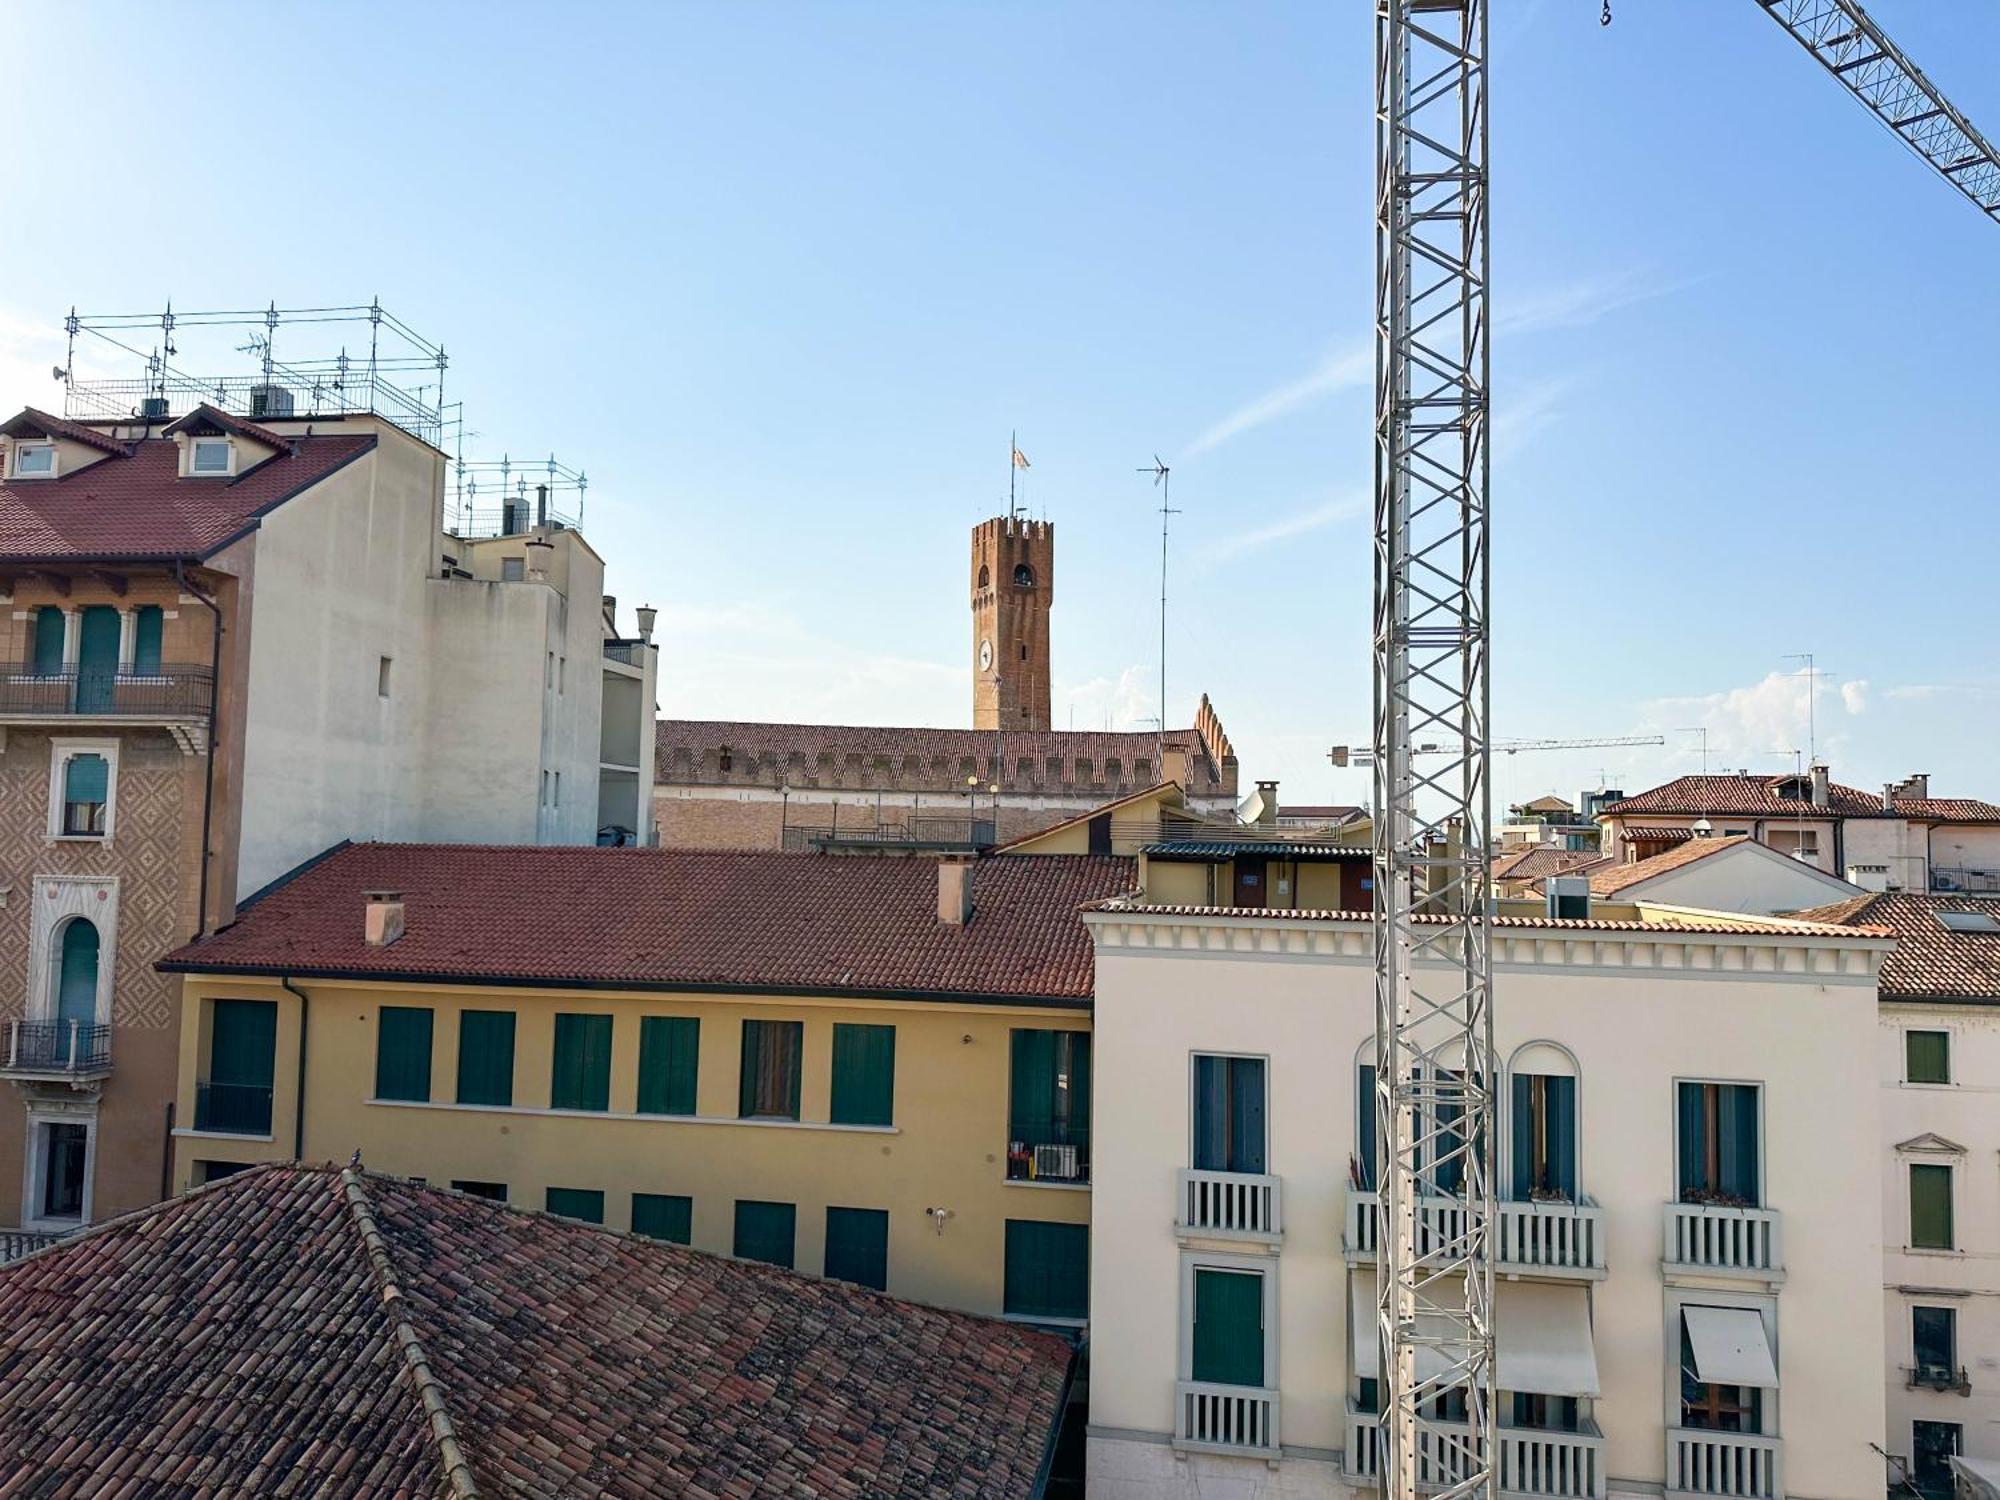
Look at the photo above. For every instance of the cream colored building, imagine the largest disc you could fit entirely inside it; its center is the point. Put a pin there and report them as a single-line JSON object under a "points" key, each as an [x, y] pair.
{"points": [[1687, 1281]]}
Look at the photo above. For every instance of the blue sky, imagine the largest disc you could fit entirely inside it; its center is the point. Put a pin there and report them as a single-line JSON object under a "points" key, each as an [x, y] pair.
{"points": [[783, 277]]}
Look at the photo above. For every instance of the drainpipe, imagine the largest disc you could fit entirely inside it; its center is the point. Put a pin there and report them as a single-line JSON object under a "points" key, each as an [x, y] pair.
{"points": [[299, 1104], [214, 700]]}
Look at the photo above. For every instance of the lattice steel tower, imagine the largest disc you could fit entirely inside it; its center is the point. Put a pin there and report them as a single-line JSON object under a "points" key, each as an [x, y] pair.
{"points": [[1433, 970]]}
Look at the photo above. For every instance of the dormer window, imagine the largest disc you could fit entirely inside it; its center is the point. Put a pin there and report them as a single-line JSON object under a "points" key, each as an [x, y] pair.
{"points": [[211, 455], [34, 460]]}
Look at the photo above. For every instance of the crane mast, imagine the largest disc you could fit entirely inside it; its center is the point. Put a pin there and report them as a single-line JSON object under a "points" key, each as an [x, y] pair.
{"points": [[1433, 968]]}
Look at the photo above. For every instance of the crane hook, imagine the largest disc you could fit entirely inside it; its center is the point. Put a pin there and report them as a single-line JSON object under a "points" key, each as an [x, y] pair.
{"points": [[1605, 19]]}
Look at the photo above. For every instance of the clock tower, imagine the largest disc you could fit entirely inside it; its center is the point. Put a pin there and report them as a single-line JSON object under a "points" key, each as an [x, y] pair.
{"points": [[1013, 585]]}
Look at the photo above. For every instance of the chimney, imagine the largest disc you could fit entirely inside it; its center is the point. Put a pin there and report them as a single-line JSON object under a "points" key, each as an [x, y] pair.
{"points": [[540, 550], [541, 505], [1888, 796], [647, 615], [382, 917], [954, 892], [1821, 782], [1267, 804]]}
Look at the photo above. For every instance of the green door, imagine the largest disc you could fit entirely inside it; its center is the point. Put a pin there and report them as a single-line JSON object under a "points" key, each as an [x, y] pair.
{"points": [[76, 989], [857, 1246], [242, 1056], [1229, 1327], [766, 1231], [97, 659]]}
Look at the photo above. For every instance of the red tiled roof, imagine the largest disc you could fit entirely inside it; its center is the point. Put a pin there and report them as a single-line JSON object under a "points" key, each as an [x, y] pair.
{"points": [[678, 918], [1542, 860], [1757, 796], [1609, 881], [686, 752], [1930, 961], [296, 1330], [138, 508], [206, 418], [32, 420], [1646, 835]]}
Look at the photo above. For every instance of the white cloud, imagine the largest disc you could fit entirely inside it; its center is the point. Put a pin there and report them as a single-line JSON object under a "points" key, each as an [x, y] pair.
{"points": [[1854, 695], [1578, 303], [1342, 507], [1131, 700], [1525, 410], [1341, 370], [1758, 727]]}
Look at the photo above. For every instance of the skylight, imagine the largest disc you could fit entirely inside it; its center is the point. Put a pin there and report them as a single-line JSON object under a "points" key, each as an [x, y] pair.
{"points": [[1969, 921]]}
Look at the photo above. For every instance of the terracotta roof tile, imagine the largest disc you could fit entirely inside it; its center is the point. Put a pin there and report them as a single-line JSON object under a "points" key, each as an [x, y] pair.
{"points": [[34, 421], [243, 1341], [206, 418], [1930, 961], [1614, 878], [138, 508], [667, 918], [1542, 860], [1757, 796]]}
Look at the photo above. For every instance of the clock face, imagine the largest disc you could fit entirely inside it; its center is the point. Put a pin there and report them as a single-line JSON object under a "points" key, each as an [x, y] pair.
{"points": [[986, 656]]}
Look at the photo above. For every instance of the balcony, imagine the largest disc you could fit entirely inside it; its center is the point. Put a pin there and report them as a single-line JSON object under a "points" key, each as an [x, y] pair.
{"points": [[233, 1108], [1534, 1461], [1714, 1239], [1240, 1419], [1965, 880], [1064, 1158], [166, 692], [626, 653], [1732, 1465], [1938, 1378], [893, 829], [1555, 1239], [57, 1051], [15, 1243], [1229, 1206]]}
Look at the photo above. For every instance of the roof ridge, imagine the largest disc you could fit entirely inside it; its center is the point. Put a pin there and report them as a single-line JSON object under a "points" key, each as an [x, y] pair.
{"points": [[144, 1211], [430, 1390]]}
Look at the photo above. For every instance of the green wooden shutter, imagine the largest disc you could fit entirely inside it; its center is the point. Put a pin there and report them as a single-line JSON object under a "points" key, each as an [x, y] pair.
{"points": [[586, 1204], [864, 1075], [1047, 1269], [582, 1072], [1078, 1084], [1524, 1136], [1229, 1327], [76, 980], [87, 778], [766, 1231], [48, 641], [1562, 1136], [486, 1057], [1926, 1056], [1211, 1114], [147, 628], [1930, 1207], [857, 1246], [1693, 1140], [1032, 1088], [1367, 1141], [403, 1052], [1738, 1116], [669, 1054], [1246, 1114], [663, 1216], [243, 1042]]}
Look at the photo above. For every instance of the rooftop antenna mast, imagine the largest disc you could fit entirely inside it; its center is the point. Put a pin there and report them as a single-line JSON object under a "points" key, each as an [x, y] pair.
{"points": [[1434, 1073], [1163, 482], [1702, 730], [1811, 674]]}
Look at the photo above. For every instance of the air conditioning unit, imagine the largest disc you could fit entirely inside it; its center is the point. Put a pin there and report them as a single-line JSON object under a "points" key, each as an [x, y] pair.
{"points": [[154, 408], [1569, 895], [270, 401], [1056, 1161]]}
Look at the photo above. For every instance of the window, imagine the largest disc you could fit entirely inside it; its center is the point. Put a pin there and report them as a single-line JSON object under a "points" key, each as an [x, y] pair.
{"points": [[1968, 921], [1544, 1141], [1229, 1116], [857, 1246], [242, 1057], [1047, 1270], [382, 677], [76, 973], [1927, 1057], [1934, 1345], [555, 797], [1048, 1116], [513, 569], [669, 1054], [766, 1232], [1550, 1413], [1795, 841], [582, 1073], [210, 455], [1024, 576], [486, 1057], [864, 1075], [1932, 1445], [148, 627], [403, 1052], [1930, 1206], [1228, 1334], [1718, 1143], [1711, 1406], [562, 679], [86, 795], [50, 627], [985, 576], [1367, 1139], [64, 1170], [586, 1204], [34, 460], [545, 788], [663, 1216], [494, 1192], [770, 1082]]}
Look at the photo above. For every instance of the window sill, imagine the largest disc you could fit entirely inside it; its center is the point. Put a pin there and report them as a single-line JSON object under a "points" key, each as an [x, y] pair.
{"points": [[189, 1133], [611, 1114], [1055, 1187], [1034, 1320], [1940, 1253]]}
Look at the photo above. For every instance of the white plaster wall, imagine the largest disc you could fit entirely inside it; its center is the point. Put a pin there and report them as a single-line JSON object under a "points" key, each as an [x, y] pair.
{"points": [[1965, 845], [1747, 878], [1967, 1112], [485, 724], [1634, 1032], [1887, 841], [1132, 1469]]}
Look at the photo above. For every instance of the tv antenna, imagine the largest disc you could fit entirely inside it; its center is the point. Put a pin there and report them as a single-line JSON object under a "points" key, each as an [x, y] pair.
{"points": [[1702, 730], [1811, 674], [1163, 482]]}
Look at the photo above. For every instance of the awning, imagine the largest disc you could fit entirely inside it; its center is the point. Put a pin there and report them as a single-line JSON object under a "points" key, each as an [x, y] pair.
{"points": [[1979, 1477], [1729, 1346], [1542, 1338]]}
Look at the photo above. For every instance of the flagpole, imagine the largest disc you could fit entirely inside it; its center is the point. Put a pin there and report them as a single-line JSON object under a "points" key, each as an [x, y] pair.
{"points": [[1013, 449]]}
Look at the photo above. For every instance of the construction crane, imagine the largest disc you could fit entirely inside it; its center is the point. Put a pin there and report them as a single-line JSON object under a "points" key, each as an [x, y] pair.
{"points": [[1435, 1073], [1344, 756]]}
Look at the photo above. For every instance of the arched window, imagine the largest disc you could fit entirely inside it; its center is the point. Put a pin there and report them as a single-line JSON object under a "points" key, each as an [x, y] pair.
{"points": [[86, 794], [985, 577], [1542, 1129], [48, 641], [1024, 576], [148, 626], [76, 973]]}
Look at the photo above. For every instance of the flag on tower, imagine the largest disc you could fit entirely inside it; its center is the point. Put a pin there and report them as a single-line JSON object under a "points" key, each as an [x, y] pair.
{"points": [[1020, 459]]}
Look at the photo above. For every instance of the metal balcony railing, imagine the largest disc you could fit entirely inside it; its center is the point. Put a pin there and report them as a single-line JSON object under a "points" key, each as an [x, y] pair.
{"points": [[1064, 1156], [165, 692], [1230, 1205], [233, 1108], [1965, 880], [1533, 1461], [1717, 1239], [57, 1047], [1938, 1378], [631, 653], [1731, 1465], [1214, 1418], [1549, 1238], [933, 831]]}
